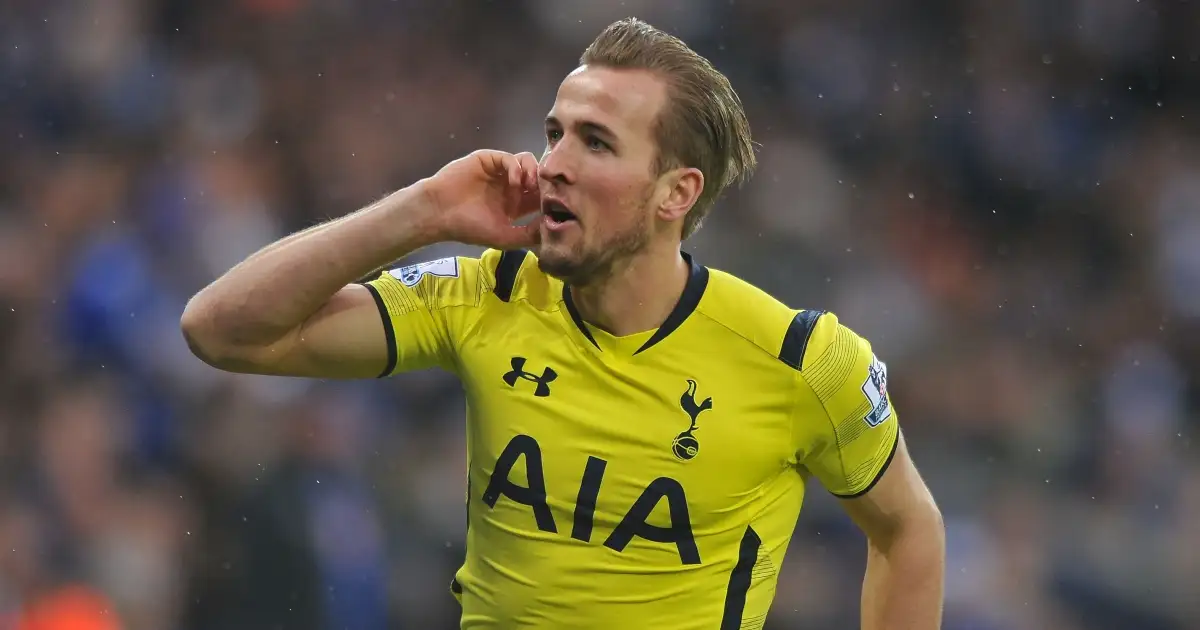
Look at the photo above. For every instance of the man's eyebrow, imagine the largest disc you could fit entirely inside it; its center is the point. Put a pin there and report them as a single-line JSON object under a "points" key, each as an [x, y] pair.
{"points": [[586, 126], [595, 127]]}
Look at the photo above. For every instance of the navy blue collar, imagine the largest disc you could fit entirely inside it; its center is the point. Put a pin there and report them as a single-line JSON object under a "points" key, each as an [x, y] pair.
{"points": [[692, 292]]}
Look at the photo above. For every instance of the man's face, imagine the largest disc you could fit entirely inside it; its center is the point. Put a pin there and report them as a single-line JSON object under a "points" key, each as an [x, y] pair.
{"points": [[597, 172]]}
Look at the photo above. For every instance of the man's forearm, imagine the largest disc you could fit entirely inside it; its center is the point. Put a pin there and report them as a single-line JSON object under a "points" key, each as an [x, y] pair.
{"points": [[281, 285], [904, 583]]}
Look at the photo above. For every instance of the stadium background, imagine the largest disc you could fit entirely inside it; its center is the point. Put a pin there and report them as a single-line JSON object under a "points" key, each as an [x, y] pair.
{"points": [[1003, 196]]}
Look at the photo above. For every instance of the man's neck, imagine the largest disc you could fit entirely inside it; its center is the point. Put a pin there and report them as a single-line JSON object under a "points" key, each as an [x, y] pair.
{"points": [[637, 295]]}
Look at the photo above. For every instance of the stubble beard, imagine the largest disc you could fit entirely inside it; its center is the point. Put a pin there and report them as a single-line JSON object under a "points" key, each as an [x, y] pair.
{"points": [[579, 267]]}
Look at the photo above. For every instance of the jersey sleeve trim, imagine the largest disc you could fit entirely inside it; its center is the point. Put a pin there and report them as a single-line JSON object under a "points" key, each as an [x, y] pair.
{"points": [[507, 269], [795, 340], [878, 475], [693, 291], [389, 332]]}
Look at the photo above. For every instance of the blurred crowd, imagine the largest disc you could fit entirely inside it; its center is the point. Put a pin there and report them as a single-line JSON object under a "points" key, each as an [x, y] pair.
{"points": [[1004, 197]]}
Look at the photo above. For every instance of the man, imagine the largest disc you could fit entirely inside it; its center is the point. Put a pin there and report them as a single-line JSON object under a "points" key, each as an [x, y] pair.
{"points": [[640, 427]]}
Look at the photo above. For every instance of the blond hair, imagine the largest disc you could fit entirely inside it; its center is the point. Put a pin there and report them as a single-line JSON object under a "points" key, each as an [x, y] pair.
{"points": [[702, 126]]}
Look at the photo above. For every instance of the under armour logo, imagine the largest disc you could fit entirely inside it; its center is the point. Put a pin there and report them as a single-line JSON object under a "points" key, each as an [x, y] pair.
{"points": [[686, 446], [543, 380]]}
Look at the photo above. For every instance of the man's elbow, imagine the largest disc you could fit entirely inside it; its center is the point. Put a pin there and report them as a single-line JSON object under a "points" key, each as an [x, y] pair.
{"points": [[920, 524], [935, 525], [207, 340], [198, 331], [924, 528], [925, 518]]}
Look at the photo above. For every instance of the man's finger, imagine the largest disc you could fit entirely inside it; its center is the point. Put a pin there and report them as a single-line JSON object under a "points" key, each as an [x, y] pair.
{"points": [[529, 168], [492, 162], [513, 166], [531, 201]]}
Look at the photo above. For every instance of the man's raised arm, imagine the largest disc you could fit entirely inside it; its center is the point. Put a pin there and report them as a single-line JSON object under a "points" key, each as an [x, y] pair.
{"points": [[291, 308]]}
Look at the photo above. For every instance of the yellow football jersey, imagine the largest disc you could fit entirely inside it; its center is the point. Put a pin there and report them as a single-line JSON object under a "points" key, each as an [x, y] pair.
{"points": [[646, 481]]}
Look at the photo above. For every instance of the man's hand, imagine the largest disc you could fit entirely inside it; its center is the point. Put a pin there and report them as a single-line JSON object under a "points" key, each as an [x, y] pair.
{"points": [[477, 199]]}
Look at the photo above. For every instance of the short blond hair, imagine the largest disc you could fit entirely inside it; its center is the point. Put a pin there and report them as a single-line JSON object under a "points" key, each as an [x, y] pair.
{"points": [[703, 125]]}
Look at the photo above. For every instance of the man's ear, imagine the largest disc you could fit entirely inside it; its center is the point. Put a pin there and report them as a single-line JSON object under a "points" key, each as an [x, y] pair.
{"points": [[683, 188]]}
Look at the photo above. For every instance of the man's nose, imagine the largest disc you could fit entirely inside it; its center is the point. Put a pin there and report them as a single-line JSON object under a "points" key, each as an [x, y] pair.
{"points": [[556, 165]]}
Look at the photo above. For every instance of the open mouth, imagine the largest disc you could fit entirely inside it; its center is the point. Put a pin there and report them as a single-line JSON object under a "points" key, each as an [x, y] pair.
{"points": [[557, 213]]}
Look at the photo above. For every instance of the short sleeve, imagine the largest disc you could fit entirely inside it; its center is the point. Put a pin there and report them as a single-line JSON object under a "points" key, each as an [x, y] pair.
{"points": [[425, 309], [846, 426]]}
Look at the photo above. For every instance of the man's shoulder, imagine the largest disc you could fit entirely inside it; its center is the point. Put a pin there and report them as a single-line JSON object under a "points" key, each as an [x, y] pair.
{"points": [[513, 276], [490, 278], [758, 317]]}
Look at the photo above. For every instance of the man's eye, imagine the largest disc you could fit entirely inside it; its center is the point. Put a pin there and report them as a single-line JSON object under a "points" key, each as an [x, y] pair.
{"points": [[553, 135], [596, 144]]}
